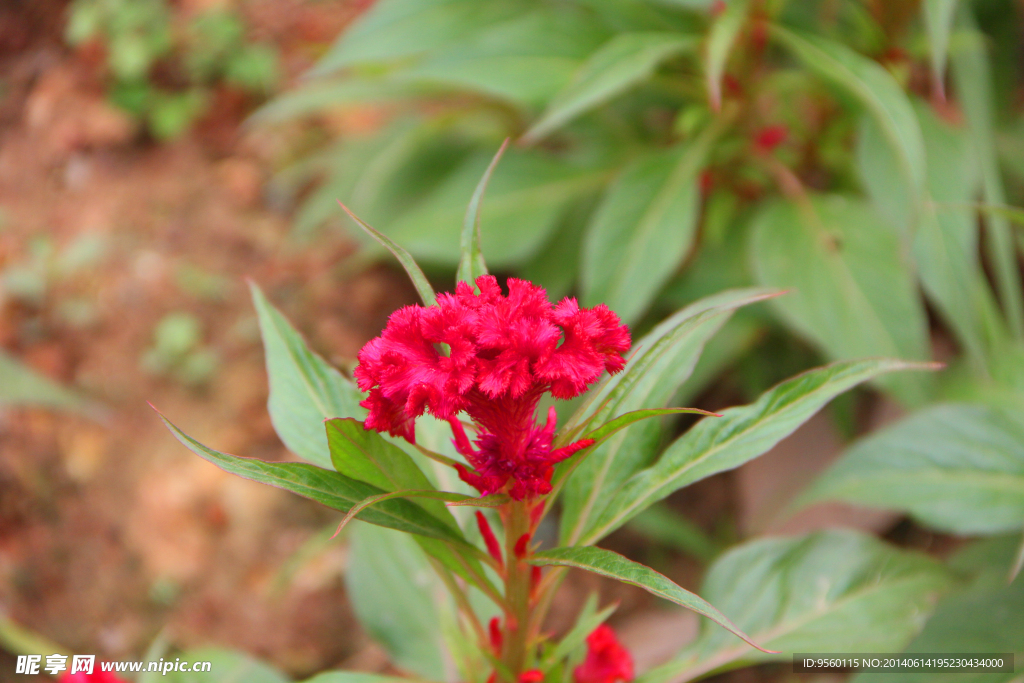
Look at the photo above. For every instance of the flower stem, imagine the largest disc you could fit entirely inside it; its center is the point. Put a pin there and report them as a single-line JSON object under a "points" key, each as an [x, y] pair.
{"points": [[517, 591]]}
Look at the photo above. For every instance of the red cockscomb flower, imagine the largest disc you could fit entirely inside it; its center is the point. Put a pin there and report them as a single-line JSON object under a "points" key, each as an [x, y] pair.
{"points": [[503, 353], [607, 660]]}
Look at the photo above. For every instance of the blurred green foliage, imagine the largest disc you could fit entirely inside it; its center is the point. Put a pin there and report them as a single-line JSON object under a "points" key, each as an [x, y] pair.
{"points": [[161, 69], [178, 352]]}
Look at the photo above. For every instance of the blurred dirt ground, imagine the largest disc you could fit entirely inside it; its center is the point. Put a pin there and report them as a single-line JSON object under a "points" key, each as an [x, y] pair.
{"points": [[109, 530]]}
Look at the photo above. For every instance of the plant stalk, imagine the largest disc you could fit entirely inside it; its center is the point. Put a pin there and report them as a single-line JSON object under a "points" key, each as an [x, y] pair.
{"points": [[517, 592]]}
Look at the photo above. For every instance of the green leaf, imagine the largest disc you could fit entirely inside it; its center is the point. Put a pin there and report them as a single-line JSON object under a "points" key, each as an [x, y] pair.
{"points": [[326, 487], [622, 62], [397, 29], [741, 434], [526, 195], [226, 666], [724, 30], [454, 498], [365, 455], [471, 264], [873, 87], [973, 82], [957, 468], [396, 596], [938, 21], [643, 228], [614, 566], [353, 677], [21, 386], [983, 619], [826, 592], [658, 365], [419, 280], [304, 388], [853, 294], [524, 61], [945, 244], [664, 526]]}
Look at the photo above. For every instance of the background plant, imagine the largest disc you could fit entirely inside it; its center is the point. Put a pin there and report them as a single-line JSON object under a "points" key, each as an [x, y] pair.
{"points": [[161, 71], [860, 154]]}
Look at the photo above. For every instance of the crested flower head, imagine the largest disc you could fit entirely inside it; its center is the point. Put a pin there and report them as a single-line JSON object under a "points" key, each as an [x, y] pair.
{"points": [[607, 660], [492, 357]]}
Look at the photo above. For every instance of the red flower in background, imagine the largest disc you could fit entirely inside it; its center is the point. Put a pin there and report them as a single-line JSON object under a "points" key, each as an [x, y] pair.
{"points": [[502, 354], [607, 660]]}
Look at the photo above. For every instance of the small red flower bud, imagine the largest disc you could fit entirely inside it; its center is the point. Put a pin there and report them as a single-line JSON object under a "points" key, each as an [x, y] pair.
{"points": [[521, 546], [531, 676], [535, 574], [767, 139], [607, 660], [489, 540], [717, 7], [494, 628]]}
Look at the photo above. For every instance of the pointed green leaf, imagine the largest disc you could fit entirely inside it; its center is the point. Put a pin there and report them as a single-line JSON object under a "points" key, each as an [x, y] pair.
{"points": [[642, 229], [957, 468], [326, 487], [724, 30], [622, 62], [399, 29], [471, 265], [458, 498], [614, 566], [365, 455], [226, 666], [973, 82], [938, 21], [354, 677], [852, 295], [826, 592], [304, 388], [398, 599], [658, 365], [741, 434], [419, 280], [19, 385], [526, 196], [945, 241], [873, 87]]}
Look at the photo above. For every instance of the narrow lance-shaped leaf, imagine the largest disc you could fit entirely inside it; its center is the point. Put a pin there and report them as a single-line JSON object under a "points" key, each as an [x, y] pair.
{"points": [[644, 227], [304, 388], [875, 89], [614, 566], [447, 496], [973, 82], [419, 280], [957, 468], [854, 296], [327, 488], [622, 62], [723, 35], [605, 431], [825, 592], [20, 385], [471, 265], [938, 21], [741, 434], [662, 361]]}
